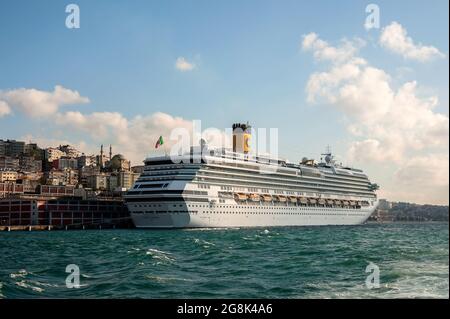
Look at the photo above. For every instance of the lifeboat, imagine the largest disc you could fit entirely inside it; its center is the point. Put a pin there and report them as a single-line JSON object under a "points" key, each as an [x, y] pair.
{"points": [[303, 200], [312, 200], [359, 203], [365, 203], [346, 203], [352, 203], [330, 202], [321, 201], [255, 197], [240, 196], [293, 199], [267, 197], [338, 202], [281, 198]]}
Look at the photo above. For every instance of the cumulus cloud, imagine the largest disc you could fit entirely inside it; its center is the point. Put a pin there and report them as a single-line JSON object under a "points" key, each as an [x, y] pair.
{"points": [[427, 170], [389, 123], [323, 51], [425, 177], [36, 103], [47, 141], [135, 137], [183, 65], [395, 38], [4, 109], [392, 120]]}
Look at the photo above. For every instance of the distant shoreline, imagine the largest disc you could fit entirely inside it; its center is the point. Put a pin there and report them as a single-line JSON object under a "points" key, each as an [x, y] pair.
{"points": [[407, 222]]}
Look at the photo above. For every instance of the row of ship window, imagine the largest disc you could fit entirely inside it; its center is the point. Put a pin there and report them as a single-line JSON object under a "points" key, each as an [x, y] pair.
{"points": [[245, 213], [225, 206]]}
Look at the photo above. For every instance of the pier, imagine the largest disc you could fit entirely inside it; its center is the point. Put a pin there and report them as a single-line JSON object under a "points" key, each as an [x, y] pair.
{"points": [[62, 214]]}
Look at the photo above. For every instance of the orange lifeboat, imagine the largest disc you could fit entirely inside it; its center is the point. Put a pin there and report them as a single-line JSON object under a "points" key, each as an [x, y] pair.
{"points": [[303, 200], [240, 196], [293, 199]]}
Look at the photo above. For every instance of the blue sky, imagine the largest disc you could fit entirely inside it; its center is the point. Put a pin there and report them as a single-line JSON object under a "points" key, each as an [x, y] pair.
{"points": [[249, 65]]}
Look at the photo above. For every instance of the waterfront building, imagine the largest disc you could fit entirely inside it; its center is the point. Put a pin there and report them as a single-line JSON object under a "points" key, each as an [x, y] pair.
{"points": [[8, 176], [29, 164], [11, 148], [52, 154], [126, 179], [10, 188], [9, 163], [97, 181], [65, 162], [69, 151]]}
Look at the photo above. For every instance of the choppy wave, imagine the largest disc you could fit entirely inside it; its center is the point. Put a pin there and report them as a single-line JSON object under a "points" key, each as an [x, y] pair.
{"points": [[302, 262]]}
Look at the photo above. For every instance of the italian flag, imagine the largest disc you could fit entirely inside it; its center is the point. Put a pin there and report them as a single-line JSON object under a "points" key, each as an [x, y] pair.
{"points": [[159, 142]]}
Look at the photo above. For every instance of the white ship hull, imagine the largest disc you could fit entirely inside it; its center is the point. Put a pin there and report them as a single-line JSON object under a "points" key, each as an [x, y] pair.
{"points": [[252, 216]]}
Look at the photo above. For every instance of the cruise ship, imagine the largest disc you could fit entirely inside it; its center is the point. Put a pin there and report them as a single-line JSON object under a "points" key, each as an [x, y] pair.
{"points": [[210, 188]]}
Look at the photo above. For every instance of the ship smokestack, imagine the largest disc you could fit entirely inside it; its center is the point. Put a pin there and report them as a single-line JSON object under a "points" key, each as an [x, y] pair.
{"points": [[241, 138]]}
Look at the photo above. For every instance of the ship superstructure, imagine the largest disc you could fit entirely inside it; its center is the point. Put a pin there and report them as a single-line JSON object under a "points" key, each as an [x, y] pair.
{"points": [[233, 188]]}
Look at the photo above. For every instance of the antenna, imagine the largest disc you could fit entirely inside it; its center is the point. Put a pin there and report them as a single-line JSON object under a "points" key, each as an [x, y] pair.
{"points": [[328, 155]]}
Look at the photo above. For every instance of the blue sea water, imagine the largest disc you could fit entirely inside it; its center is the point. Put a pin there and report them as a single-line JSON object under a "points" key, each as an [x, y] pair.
{"points": [[289, 262]]}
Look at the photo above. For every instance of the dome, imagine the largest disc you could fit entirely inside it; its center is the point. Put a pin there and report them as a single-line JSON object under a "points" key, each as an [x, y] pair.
{"points": [[119, 157], [118, 162]]}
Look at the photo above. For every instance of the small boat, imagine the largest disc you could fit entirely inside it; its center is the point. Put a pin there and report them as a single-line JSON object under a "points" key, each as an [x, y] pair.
{"points": [[240, 196], [303, 200]]}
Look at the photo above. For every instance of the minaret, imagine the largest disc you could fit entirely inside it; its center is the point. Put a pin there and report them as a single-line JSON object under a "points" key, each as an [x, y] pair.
{"points": [[110, 152], [101, 156]]}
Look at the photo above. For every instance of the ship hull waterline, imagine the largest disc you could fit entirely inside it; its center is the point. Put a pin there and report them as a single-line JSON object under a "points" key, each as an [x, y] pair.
{"points": [[263, 218]]}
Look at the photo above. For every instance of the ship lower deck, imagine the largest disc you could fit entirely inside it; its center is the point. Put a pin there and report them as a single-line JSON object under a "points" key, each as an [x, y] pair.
{"points": [[186, 215]]}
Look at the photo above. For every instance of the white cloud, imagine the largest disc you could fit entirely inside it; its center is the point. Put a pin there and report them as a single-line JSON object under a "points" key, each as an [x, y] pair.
{"points": [[395, 38], [425, 178], [4, 109], [46, 141], [36, 103], [183, 65], [389, 124], [324, 52], [393, 120], [428, 170], [135, 137]]}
